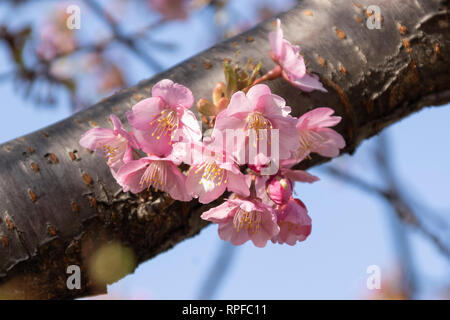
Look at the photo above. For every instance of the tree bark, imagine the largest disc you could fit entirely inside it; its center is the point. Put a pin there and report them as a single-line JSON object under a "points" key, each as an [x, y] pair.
{"points": [[59, 203]]}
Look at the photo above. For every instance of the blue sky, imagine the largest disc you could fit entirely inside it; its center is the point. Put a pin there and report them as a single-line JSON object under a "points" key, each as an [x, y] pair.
{"points": [[351, 230]]}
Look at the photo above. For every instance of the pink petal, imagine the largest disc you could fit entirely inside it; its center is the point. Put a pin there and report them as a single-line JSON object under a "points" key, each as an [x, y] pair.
{"points": [[190, 127], [174, 94], [144, 112], [288, 135], [307, 83], [130, 174], [128, 156], [270, 105], [117, 124], [196, 188], [220, 213], [230, 166], [239, 106], [209, 196], [299, 175], [237, 183], [298, 226], [269, 229], [333, 142], [318, 118], [285, 110], [150, 144], [256, 92], [229, 129], [131, 139], [276, 40], [96, 138], [246, 205], [176, 184], [292, 62], [227, 232]]}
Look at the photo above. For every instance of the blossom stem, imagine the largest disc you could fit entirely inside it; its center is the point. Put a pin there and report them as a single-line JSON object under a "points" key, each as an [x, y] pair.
{"points": [[253, 188], [273, 74]]}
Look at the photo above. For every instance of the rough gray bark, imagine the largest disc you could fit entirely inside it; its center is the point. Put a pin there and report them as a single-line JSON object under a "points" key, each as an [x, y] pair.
{"points": [[58, 202]]}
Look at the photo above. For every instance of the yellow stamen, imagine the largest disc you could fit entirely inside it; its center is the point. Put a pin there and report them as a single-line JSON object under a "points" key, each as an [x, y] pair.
{"points": [[167, 123], [250, 221], [114, 150], [155, 175], [256, 121], [212, 175]]}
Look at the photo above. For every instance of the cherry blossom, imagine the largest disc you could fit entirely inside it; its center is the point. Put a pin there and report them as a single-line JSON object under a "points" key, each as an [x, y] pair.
{"points": [[294, 222], [158, 119], [261, 206], [242, 220], [115, 145], [211, 173], [152, 171], [316, 136], [257, 110], [288, 57]]}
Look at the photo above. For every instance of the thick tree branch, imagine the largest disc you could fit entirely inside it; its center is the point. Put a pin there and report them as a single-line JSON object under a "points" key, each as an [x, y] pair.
{"points": [[58, 202]]}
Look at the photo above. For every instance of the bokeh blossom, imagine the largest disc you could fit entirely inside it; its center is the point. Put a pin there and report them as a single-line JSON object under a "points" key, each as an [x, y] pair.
{"points": [[171, 9]]}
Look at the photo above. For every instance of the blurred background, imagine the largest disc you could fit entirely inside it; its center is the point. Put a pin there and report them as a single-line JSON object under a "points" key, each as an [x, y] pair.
{"points": [[387, 205]]}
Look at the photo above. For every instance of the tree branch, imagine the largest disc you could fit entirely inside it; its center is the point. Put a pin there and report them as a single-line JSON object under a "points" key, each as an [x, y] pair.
{"points": [[61, 213]]}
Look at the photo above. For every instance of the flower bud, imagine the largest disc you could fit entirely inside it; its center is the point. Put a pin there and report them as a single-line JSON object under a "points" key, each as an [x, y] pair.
{"points": [[218, 92], [222, 104], [206, 107], [279, 189]]}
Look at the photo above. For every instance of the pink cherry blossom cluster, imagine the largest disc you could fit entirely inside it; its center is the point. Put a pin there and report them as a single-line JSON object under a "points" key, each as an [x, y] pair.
{"points": [[250, 152]]}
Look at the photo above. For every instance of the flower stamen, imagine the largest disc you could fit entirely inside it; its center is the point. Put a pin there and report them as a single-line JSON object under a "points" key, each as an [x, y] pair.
{"points": [[167, 123], [212, 175], [250, 221], [155, 176], [114, 150]]}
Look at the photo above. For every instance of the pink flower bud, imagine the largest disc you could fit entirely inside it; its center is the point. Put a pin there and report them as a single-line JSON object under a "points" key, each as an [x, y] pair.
{"points": [[279, 189]]}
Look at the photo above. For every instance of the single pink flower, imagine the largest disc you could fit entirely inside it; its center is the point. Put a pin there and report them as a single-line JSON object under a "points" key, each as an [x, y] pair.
{"points": [[316, 136], [115, 145], [170, 9], [211, 173], [294, 222], [279, 189], [242, 220], [288, 57], [157, 120], [152, 171], [258, 110]]}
